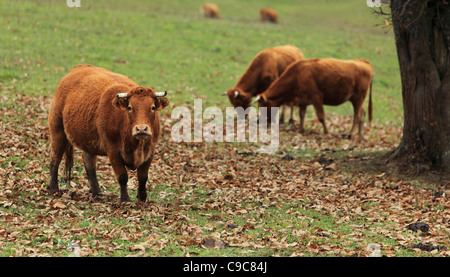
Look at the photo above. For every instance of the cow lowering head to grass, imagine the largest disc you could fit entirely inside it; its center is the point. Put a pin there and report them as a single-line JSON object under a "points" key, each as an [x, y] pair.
{"points": [[263, 70], [268, 15], [210, 10], [104, 113], [321, 82]]}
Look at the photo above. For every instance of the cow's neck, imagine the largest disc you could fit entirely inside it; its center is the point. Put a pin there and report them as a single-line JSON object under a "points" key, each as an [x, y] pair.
{"points": [[140, 155], [137, 153], [274, 101]]}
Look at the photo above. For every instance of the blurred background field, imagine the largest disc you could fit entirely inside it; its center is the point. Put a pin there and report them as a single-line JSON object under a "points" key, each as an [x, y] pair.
{"points": [[168, 45]]}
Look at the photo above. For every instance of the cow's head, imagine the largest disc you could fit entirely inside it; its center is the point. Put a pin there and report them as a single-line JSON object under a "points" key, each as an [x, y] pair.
{"points": [[239, 98], [141, 106], [262, 101]]}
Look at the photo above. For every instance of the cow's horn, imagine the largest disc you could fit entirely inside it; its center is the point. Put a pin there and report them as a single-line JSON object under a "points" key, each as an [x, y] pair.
{"points": [[256, 99], [122, 95], [236, 94], [161, 94], [225, 93]]}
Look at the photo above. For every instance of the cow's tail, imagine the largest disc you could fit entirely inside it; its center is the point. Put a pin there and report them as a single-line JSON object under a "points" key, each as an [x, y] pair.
{"points": [[370, 104]]}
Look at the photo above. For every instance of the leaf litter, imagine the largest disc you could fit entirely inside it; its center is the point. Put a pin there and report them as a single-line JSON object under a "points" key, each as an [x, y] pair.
{"points": [[220, 196]]}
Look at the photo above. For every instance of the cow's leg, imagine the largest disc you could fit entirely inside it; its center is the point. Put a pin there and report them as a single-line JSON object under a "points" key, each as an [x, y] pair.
{"points": [[90, 164], [59, 143], [142, 173], [291, 119], [283, 109], [355, 119], [358, 116], [361, 124], [352, 130], [121, 174], [68, 163], [302, 112], [321, 116]]}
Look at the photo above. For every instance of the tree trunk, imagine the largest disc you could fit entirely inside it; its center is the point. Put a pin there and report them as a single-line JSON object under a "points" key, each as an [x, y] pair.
{"points": [[422, 35]]}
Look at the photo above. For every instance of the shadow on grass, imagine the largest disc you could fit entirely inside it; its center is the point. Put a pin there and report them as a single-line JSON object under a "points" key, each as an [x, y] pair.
{"points": [[378, 163]]}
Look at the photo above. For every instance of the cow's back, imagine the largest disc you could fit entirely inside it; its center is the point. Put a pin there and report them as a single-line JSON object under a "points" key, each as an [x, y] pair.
{"points": [[336, 79], [84, 84], [267, 66], [283, 56]]}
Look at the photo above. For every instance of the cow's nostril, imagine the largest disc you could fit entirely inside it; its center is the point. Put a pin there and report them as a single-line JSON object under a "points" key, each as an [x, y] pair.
{"points": [[141, 130]]}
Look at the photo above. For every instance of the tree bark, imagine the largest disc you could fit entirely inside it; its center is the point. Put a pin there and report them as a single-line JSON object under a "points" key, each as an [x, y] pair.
{"points": [[422, 35]]}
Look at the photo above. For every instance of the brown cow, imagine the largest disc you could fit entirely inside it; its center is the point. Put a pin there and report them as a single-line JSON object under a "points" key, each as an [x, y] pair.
{"points": [[210, 10], [107, 114], [268, 15], [263, 70], [321, 82]]}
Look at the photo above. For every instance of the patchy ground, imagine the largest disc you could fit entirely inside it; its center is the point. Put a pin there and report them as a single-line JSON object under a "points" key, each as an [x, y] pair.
{"points": [[319, 195]]}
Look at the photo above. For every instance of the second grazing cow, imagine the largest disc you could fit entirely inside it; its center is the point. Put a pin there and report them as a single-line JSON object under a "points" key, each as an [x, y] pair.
{"points": [[321, 82]]}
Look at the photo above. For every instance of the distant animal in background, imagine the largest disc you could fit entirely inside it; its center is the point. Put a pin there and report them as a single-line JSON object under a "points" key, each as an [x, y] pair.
{"points": [[209, 10], [268, 15]]}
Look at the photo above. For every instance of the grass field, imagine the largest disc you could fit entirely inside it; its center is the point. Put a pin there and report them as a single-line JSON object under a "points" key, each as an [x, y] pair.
{"points": [[315, 197], [169, 46]]}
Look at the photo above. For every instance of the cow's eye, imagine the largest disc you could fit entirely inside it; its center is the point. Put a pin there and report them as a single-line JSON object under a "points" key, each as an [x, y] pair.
{"points": [[153, 107], [129, 108]]}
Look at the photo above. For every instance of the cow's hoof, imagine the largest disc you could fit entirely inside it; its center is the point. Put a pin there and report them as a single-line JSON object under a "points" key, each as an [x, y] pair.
{"points": [[95, 192], [124, 199], [142, 197], [95, 195], [347, 136], [52, 189]]}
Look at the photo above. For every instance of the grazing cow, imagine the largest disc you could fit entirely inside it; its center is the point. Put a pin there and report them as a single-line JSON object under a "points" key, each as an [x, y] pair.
{"points": [[268, 15], [321, 82], [210, 10], [107, 114], [262, 71]]}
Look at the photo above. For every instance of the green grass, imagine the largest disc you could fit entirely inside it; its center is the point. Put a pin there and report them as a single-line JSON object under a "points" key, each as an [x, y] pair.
{"points": [[167, 45]]}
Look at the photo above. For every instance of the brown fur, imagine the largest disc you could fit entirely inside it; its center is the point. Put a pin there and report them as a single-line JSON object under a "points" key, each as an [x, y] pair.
{"points": [[263, 70], [210, 10], [321, 82], [268, 15], [86, 113]]}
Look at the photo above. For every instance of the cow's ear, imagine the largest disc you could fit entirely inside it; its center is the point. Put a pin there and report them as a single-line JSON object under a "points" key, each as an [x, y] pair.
{"points": [[161, 103], [121, 101]]}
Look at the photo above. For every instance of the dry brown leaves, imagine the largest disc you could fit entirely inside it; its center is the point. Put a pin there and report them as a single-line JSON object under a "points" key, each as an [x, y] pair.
{"points": [[307, 174]]}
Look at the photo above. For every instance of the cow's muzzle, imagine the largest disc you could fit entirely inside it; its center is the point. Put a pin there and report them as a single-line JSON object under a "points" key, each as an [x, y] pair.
{"points": [[141, 132]]}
